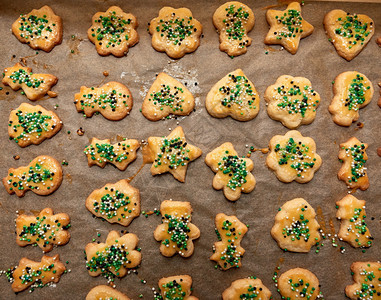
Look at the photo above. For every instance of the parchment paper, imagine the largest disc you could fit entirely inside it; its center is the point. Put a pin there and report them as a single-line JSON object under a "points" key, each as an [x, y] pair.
{"points": [[316, 59]]}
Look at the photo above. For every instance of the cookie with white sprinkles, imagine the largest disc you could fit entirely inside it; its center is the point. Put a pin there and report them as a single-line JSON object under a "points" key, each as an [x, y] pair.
{"points": [[247, 288], [175, 287], [105, 292]]}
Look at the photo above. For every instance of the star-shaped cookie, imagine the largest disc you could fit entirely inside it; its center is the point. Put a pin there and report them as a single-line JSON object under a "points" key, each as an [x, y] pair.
{"points": [[287, 27], [247, 288], [105, 292], [170, 154], [176, 287]]}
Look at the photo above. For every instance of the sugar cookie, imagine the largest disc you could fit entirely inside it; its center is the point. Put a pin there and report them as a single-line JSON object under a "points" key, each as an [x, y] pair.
{"points": [[247, 288]]}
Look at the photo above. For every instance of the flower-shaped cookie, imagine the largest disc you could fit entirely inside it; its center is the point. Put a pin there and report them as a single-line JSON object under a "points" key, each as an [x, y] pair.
{"points": [[348, 33], [234, 20], [170, 154], [293, 157], [105, 292], [292, 101], [175, 32], [176, 287], [287, 27], [232, 172], [177, 233], [352, 91], [234, 95], [40, 29], [247, 288]]}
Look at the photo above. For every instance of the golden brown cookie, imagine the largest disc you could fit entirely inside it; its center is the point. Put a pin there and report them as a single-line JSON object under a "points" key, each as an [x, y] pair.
{"points": [[353, 171], [30, 124], [247, 288], [177, 233], [292, 101], [113, 32], [287, 27], [232, 172], [115, 202], [296, 228], [353, 228], [43, 175], [114, 257], [105, 292], [228, 252], [37, 274], [40, 29], [120, 154], [352, 91], [367, 278], [44, 230], [167, 96], [348, 33], [175, 32], [234, 95], [35, 86], [234, 20], [170, 154], [112, 100], [176, 287], [293, 157]]}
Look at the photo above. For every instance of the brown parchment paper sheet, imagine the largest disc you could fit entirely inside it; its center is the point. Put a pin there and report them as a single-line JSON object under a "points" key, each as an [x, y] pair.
{"points": [[316, 59]]}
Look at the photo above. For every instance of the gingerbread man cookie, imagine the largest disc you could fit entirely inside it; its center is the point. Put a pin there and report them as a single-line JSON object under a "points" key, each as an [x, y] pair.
{"points": [[170, 154], [42, 176], [120, 154], [177, 233], [175, 32], [45, 230], [234, 20], [296, 228], [348, 33], [234, 95], [35, 86], [30, 124], [228, 252], [352, 91], [105, 292], [112, 100], [232, 172], [247, 288], [167, 96], [176, 287], [287, 27], [40, 29], [115, 202], [113, 32], [293, 157], [292, 101], [353, 171]]}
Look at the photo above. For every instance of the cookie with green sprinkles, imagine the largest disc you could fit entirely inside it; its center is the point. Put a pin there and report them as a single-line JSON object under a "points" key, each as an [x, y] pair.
{"points": [[351, 91], [42, 176], [353, 171], [292, 101], [247, 288], [39, 29], [235, 96], [349, 33], [353, 228], [105, 292], [233, 173], [35, 274], [115, 202], [113, 258], [293, 157], [367, 278], [287, 27], [112, 100], [175, 288], [113, 32], [298, 283], [167, 96], [175, 32], [170, 154], [177, 233], [228, 252], [234, 20], [120, 154], [296, 228], [35, 86], [44, 230], [30, 124]]}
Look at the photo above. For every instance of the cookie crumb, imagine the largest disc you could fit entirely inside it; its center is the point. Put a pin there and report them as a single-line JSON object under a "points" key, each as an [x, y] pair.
{"points": [[16, 157], [379, 151], [80, 131], [106, 73]]}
